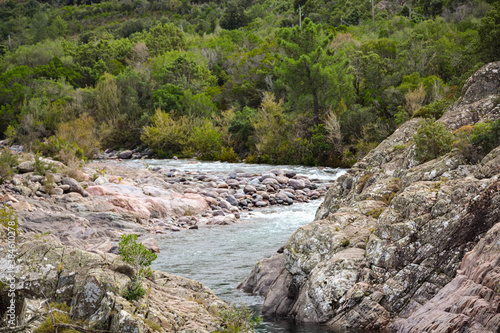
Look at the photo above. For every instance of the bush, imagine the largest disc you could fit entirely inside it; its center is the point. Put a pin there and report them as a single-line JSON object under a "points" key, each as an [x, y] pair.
{"points": [[432, 140], [206, 140], [8, 218], [81, 133], [486, 136], [237, 319], [433, 110], [227, 154], [42, 168], [140, 258], [60, 316], [167, 135], [474, 142], [8, 164]]}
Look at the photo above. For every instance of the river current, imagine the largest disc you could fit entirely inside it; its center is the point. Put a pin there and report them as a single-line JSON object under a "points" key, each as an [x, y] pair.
{"points": [[222, 256]]}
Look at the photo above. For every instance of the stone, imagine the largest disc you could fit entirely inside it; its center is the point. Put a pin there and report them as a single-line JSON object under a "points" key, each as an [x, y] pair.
{"points": [[64, 187], [101, 180], [151, 244], [233, 183], [25, 167], [296, 184], [249, 189], [224, 204], [93, 285], [282, 180], [263, 275], [22, 205], [261, 203], [57, 191], [368, 261], [7, 198], [254, 181], [232, 200], [126, 154], [74, 186]]}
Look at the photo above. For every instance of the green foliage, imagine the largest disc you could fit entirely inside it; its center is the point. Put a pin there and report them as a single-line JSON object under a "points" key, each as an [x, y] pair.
{"points": [[60, 316], [227, 154], [8, 218], [42, 168], [206, 140], [434, 110], [432, 140], [308, 70], [237, 319], [486, 136], [119, 61], [234, 16], [489, 30], [8, 164], [140, 258], [167, 134]]}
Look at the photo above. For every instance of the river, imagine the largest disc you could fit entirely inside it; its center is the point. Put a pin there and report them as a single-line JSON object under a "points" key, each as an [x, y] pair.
{"points": [[222, 256]]}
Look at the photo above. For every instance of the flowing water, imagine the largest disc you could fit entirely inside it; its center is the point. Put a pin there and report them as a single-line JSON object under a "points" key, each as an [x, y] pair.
{"points": [[222, 256]]}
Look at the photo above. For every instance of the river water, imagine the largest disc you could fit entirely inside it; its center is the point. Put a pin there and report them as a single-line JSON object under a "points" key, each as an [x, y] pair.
{"points": [[222, 256]]}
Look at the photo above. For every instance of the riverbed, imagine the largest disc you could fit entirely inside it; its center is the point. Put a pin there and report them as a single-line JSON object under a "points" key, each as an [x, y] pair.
{"points": [[222, 256]]}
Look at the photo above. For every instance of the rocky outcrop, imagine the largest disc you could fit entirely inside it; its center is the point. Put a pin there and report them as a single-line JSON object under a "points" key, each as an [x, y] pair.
{"points": [[471, 301], [263, 275], [92, 286], [392, 233]]}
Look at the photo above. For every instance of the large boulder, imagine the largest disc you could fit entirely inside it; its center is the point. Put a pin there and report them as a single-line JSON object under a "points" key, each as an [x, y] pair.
{"points": [[263, 275]]}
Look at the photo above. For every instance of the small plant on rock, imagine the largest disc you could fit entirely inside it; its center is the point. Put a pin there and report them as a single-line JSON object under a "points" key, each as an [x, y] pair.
{"points": [[8, 164], [42, 168], [237, 319], [140, 258]]}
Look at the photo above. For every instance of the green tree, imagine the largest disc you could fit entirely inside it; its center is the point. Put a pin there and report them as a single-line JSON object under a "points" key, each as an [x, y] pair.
{"points": [[489, 34], [163, 38], [234, 16], [140, 258], [309, 69]]}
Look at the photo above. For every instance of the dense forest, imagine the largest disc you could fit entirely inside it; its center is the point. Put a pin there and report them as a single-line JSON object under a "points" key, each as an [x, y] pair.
{"points": [[315, 82]]}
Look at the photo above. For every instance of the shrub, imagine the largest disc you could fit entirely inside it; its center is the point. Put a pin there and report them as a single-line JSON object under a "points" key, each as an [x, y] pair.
{"points": [[433, 110], [206, 140], [41, 167], [486, 136], [8, 218], [81, 133], [60, 316], [227, 154], [237, 319], [140, 258], [167, 135], [432, 140], [8, 163]]}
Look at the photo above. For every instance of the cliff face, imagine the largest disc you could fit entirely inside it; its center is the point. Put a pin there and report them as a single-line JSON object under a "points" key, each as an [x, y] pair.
{"points": [[392, 233]]}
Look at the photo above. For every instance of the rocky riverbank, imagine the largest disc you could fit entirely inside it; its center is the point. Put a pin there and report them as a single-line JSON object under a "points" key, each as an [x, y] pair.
{"points": [[84, 289], [71, 221], [112, 199], [400, 244]]}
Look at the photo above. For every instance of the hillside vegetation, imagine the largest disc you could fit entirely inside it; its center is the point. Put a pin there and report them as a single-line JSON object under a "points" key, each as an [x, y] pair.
{"points": [[234, 79]]}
